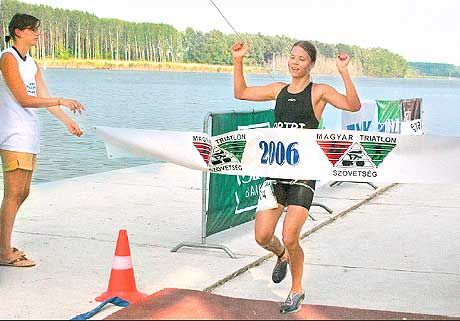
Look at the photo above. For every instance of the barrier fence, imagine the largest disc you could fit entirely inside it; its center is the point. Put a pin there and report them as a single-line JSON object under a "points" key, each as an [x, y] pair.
{"points": [[228, 201]]}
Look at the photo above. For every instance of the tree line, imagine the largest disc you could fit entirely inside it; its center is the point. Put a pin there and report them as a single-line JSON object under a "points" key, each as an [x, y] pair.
{"points": [[67, 34], [435, 69]]}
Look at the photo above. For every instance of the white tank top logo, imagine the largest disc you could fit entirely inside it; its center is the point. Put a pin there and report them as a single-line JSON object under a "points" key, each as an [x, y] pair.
{"points": [[31, 88]]}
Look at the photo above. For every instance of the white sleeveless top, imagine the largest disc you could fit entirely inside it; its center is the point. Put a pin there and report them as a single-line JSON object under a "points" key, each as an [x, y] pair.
{"points": [[19, 126]]}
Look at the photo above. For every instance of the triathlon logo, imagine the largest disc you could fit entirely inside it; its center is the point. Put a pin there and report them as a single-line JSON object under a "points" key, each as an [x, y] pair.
{"points": [[378, 151], [355, 156], [368, 154], [334, 150], [204, 147], [228, 152]]}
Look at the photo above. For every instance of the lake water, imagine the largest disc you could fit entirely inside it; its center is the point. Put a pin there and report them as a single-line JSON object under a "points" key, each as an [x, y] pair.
{"points": [[180, 101]]}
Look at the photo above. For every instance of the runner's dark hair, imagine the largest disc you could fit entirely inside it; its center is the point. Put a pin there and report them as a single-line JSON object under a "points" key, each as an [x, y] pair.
{"points": [[308, 47]]}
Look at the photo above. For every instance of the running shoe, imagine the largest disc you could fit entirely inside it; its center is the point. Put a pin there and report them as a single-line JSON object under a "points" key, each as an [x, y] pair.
{"points": [[280, 270], [293, 303]]}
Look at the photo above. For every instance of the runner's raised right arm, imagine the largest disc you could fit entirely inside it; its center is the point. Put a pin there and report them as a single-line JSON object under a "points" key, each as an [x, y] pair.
{"points": [[241, 90]]}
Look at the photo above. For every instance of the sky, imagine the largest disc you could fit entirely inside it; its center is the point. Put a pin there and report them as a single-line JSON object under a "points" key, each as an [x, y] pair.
{"points": [[418, 30]]}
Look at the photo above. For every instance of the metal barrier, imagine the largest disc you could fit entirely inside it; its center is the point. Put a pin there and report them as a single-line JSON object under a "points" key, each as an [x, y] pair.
{"points": [[334, 184], [204, 210]]}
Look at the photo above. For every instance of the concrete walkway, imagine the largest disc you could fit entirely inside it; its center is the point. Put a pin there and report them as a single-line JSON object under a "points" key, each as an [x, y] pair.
{"points": [[399, 251]]}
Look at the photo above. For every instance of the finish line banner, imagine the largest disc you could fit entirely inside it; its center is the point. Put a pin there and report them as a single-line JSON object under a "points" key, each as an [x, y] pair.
{"points": [[297, 153]]}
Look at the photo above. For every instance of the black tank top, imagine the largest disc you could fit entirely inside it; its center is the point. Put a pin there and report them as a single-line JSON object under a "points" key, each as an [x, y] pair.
{"points": [[295, 110]]}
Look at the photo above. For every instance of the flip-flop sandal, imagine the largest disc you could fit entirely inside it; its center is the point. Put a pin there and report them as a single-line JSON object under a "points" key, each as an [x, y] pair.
{"points": [[21, 262], [19, 252]]}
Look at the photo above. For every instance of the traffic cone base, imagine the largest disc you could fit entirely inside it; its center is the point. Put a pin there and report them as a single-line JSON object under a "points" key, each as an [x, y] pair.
{"points": [[131, 297]]}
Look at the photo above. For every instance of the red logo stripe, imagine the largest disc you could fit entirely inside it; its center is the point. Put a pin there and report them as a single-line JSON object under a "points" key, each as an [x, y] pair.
{"points": [[204, 149], [334, 150]]}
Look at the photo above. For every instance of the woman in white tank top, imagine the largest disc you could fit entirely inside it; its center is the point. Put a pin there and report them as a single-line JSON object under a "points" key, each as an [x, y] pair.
{"points": [[22, 90]]}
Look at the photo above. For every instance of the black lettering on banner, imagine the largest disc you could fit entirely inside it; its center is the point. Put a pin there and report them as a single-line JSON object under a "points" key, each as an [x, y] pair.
{"points": [[416, 126], [354, 173], [223, 168], [220, 157]]}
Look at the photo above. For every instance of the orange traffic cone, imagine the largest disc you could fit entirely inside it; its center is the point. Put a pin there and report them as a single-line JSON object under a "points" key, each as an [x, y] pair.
{"points": [[122, 283]]}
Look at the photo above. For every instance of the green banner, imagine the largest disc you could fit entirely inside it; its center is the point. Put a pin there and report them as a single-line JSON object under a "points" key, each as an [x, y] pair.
{"points": [[389, 113], [233, 199]]}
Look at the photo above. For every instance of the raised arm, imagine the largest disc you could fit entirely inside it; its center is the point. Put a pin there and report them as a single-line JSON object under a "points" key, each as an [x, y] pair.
{"points": [[10, 71], [350, 101], [241, 90]]}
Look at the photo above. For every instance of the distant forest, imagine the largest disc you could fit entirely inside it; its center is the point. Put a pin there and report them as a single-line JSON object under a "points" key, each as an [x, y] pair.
{"points": [[74, 34], [435, 70]]}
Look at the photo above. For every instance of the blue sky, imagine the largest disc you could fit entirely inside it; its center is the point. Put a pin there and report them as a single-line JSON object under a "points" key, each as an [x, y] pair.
{"points": [[422, 30]]}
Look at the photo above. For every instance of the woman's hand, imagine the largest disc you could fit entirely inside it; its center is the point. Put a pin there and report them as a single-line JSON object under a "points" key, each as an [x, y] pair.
{"points": [[73, 128], [342, 61], [239, 49], [73, 105]]}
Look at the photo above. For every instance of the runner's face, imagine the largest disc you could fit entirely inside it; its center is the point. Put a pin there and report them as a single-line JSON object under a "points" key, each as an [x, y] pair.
{"points": [[300, 63]]}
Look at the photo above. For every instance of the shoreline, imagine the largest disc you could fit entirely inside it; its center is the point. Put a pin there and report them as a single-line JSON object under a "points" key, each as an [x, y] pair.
{"points": [[140, 66], [185, 67], [85, 64]]}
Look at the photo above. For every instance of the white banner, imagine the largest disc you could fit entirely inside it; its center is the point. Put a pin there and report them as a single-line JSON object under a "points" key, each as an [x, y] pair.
{"points": [[412, 127], [298, 153], [191, 150]]}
